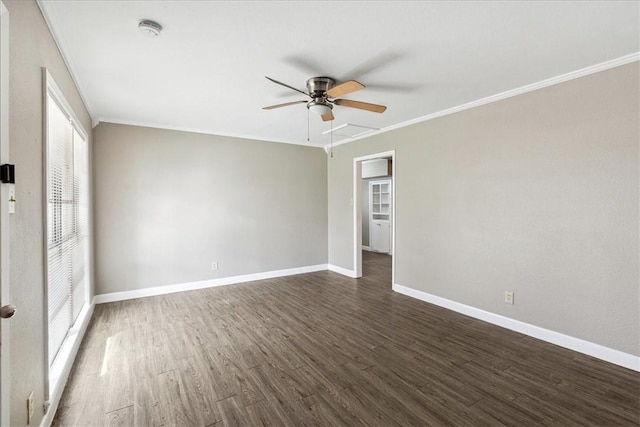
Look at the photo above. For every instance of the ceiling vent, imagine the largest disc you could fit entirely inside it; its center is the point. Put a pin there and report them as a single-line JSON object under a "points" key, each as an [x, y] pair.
{"points": [[348, 130]]}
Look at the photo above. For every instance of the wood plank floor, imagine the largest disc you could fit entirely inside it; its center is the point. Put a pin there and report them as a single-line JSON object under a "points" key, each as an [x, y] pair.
{"points": [[321, 349]]}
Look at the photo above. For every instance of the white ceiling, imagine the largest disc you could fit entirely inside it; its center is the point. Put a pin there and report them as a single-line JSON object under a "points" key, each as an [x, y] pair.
{"points": [[206, 71]]}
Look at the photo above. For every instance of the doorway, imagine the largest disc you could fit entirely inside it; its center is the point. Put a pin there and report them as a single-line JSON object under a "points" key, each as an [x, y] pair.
{"points": [[375, 261]]}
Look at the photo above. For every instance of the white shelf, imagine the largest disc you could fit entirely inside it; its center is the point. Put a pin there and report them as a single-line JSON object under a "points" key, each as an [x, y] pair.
{"points": [[380, 215]]}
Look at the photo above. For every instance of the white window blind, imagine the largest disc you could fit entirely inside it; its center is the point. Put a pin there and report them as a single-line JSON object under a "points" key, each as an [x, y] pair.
{"points": [[67, 223]]}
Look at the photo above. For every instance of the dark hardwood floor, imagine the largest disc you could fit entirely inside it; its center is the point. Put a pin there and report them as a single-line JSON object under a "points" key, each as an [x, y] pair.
{"points": [[321, 349]]}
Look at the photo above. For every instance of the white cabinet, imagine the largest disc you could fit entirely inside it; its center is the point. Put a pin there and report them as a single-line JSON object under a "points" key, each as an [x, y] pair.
{"points": [[380, 240], [380, 215]]}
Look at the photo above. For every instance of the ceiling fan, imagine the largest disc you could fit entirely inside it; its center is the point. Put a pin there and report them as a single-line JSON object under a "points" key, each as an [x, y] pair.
{"points": [[323, 92]]}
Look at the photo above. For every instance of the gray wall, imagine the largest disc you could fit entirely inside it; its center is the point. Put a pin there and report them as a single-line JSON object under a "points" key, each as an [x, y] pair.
{"points": [[31, 47], [170, 203], [537, 194]]}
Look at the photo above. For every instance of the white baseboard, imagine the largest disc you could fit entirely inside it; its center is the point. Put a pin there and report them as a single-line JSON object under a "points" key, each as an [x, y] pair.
{"points": [[59, 373], [170, 289], [366, 248], [576, 344], [341, 270]]}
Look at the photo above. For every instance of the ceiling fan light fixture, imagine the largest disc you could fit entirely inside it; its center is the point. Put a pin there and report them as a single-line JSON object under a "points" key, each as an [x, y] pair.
{"points": [[323, 93], [319, 108]]}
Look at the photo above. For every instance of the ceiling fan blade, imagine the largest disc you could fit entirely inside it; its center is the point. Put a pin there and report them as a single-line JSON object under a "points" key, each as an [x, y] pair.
{"points": [[344, 88], [360, 105], [286, 85], [327, 117], [271, 107]]}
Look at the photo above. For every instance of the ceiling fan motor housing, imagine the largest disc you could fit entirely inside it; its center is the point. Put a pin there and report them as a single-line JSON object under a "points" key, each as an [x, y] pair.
{"points": [[317, 86], [324, 92]]}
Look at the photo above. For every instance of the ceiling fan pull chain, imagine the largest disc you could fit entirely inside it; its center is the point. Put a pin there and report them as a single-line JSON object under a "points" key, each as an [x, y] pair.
{"points": [[331, 140], [308, 124]]}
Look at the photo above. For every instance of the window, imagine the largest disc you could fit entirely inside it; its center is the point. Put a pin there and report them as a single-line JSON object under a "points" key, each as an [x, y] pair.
{"points": [[67, 196]]}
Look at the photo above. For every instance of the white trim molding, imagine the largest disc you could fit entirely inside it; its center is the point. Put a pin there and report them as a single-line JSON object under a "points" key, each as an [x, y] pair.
{"points": [[343, 271], [211, 283], [617, 62], [58, 369], [576, 344], [5, 259], [356, 201], [50, 20], [59, 373], [154, 125]]}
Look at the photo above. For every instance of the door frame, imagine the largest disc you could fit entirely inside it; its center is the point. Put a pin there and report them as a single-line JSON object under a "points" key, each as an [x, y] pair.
{"points": [[4, 212], [357, 211]]}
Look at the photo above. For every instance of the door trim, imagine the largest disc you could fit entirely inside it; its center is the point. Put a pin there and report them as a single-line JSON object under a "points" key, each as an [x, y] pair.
{"points": [[5, 378], [357, 211]]}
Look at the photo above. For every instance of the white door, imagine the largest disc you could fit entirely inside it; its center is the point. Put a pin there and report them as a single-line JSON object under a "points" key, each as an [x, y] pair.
{"points": [[6, 310]]}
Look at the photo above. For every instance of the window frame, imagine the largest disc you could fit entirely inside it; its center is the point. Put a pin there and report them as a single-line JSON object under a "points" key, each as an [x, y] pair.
{"points": [[58, 369]]}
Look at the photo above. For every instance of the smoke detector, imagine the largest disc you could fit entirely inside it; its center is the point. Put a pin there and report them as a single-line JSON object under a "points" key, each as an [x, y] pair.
{"points": [[149, 28]]}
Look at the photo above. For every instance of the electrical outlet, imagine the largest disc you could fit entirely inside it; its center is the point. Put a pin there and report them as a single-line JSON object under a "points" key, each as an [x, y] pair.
{"points": [[508, 297], [30, 407], [214, 266]]}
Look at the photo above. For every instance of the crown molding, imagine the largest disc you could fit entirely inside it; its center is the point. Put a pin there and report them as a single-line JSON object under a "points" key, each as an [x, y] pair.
{"points": [[623, 60], [50, 19], [200, 131]]}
